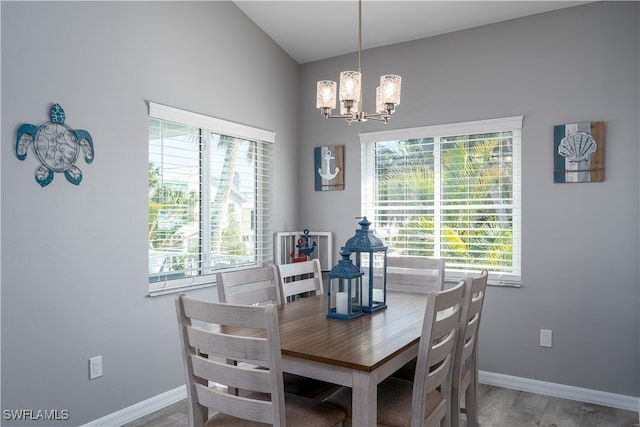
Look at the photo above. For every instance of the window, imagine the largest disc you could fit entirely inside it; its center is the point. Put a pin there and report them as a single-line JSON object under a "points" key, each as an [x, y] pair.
{"points": [[210, 192], [450, 191]]}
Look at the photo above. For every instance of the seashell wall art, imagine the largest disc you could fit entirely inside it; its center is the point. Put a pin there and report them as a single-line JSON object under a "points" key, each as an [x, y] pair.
{"points": [[578, 152]]}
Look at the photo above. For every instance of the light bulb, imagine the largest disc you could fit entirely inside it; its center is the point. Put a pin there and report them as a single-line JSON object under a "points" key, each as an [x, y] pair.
{"points": [[350, 86], [390, 86], [326, 94]]}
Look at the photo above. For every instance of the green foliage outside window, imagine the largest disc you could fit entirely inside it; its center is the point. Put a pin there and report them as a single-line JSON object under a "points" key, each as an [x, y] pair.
{"points": [[448, 197]]}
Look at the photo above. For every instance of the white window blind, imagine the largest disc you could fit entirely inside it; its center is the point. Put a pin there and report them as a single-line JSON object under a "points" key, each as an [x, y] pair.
{"points": [[210, 198], [450, 191]]}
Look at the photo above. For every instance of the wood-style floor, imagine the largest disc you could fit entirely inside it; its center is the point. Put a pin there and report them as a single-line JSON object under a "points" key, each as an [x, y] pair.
{"points": [[499, 407]]}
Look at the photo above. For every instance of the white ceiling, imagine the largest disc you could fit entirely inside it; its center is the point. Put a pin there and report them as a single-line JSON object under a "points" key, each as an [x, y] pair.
{"points": [[310, 30]]}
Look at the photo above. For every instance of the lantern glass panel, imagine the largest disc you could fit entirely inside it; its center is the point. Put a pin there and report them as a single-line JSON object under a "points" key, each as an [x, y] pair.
{"points": [[374, 288], [343, 296], [377, 278]]}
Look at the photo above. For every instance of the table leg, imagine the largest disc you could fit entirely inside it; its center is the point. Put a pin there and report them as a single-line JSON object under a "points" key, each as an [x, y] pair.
{"points": [[365, 398]]}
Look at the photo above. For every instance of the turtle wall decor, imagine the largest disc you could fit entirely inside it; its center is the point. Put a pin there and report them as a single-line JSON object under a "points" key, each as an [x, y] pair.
{"points": [[57, 146]]}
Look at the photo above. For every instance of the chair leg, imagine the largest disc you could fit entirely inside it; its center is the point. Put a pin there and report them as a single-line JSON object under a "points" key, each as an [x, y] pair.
{"points": [[455, 407], [471, 395], [447, 420], [471, 404]]}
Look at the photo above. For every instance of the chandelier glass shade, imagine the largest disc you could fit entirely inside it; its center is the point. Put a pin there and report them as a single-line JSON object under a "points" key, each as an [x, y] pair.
{"points": [[387, 94]]}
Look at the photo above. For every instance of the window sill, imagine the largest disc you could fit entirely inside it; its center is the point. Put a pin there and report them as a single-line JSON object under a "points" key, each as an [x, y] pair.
{"points": [[495, 279], [504, 283], [177, 289]]}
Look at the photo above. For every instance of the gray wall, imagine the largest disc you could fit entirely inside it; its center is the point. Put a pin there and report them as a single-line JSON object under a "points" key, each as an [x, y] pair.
{"points": [[579, 241], [74, 276], [74, 259]]}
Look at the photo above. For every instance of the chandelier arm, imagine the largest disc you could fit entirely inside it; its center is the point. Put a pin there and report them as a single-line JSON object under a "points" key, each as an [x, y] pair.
{"points": [[359, 117], [378, 117], [338, 116]]}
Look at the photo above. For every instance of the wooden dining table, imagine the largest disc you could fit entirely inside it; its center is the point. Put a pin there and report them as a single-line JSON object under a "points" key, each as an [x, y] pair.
{"points": [[357, 353]]}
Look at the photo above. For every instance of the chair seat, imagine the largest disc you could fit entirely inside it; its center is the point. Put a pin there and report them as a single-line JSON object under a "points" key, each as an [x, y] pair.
{"points": [[299, 411], [307, 387], [394, 401], [407, 372]]}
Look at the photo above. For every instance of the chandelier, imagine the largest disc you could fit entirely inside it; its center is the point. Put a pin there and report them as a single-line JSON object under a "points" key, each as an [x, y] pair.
{"points": [[387, 94]]}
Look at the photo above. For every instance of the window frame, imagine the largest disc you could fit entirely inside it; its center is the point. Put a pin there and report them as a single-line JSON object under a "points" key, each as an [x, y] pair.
{"points": [[513, 123], [226, 128]]}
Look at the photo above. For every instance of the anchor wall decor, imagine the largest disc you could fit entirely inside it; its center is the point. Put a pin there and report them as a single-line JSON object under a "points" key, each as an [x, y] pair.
{"points": [[329, 167]]}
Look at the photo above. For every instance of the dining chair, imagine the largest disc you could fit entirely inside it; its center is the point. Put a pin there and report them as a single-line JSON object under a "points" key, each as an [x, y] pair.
{"points": [[261, 285], [300, 278], [425, 401], [258, 285], [297, 279], [465, 367], [415, 274], [249, 334]]}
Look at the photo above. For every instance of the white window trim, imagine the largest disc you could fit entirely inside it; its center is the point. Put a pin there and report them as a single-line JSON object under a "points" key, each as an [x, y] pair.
{"points": [[164, 112], [470, 127], [224, 127], [477, 126]]}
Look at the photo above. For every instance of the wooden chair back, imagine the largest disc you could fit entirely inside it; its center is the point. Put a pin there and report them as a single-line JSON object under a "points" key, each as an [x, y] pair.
{"points": [[436, 353], [299, 278], [415, 274], [425, 401], [220, 346], [250, 286], [465, 370]]}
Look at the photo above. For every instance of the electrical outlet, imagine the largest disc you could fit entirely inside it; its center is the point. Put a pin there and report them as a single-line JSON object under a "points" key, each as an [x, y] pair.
{"points": [[545, 338], [95, 367]]}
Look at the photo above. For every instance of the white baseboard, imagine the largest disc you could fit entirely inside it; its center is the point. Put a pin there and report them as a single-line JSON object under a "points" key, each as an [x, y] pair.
{"points": [[612, 400], [603, 398], [140, 409]]}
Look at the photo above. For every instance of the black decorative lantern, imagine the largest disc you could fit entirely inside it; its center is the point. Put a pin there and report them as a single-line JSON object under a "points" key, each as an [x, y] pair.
{"points": [[371, 259], [344, 289]]}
